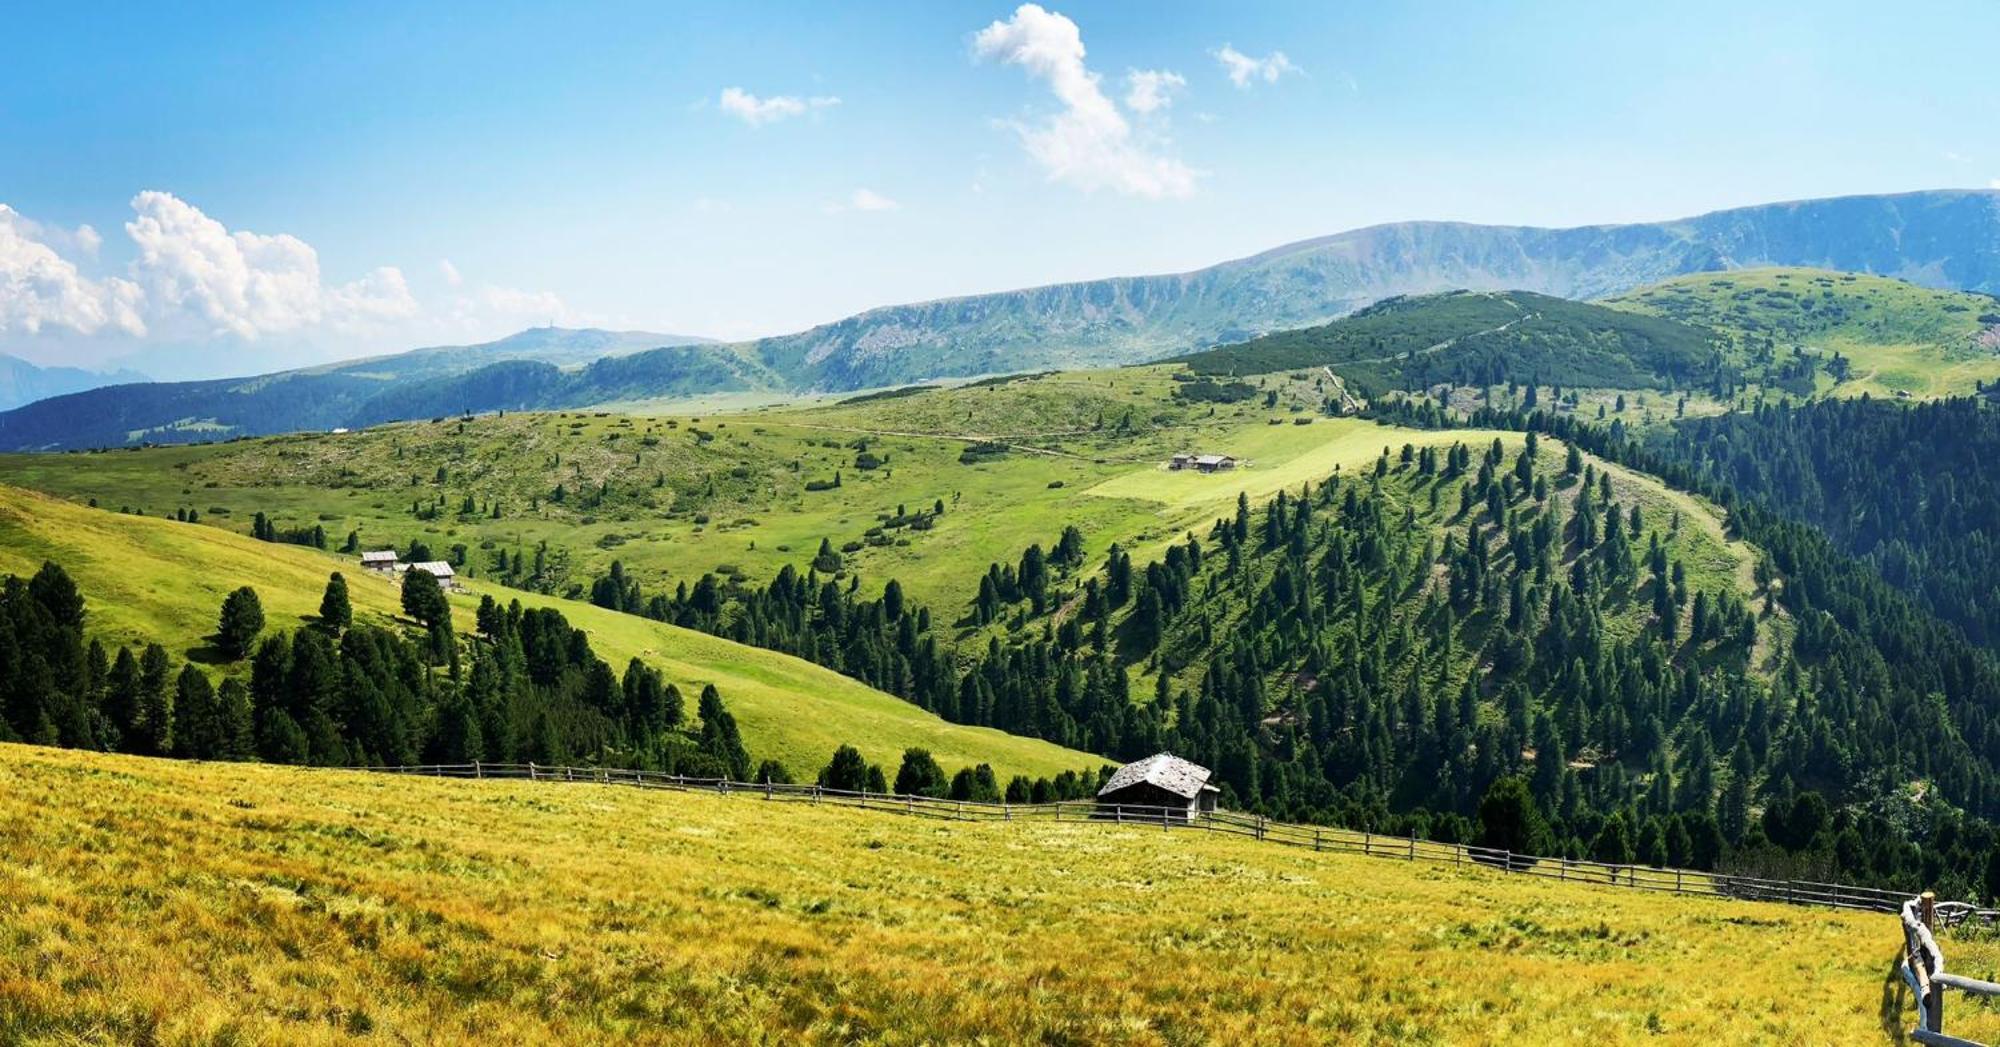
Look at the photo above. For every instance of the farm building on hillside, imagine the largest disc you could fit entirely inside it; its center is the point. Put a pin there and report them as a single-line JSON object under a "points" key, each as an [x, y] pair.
{"points": [[1207, 463], [379, 560], [439, 570], [1160, 780]]}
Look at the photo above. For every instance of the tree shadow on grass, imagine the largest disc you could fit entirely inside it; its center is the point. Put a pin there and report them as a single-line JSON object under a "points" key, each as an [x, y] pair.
{"points": [[1896, 1001], [209, 653]]}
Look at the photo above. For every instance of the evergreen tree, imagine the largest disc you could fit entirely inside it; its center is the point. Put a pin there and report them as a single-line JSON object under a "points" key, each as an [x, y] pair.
{"points": [[920, 775], [335, 612], [154, 731], [847, 771], [241, 620], [423, 599]]}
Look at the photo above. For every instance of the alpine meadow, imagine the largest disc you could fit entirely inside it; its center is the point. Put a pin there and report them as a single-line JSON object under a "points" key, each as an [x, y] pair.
{"points": [[1444, 598]]}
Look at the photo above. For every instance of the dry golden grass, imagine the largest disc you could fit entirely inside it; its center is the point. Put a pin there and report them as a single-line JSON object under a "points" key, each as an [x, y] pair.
{"points": [[153, 901]]}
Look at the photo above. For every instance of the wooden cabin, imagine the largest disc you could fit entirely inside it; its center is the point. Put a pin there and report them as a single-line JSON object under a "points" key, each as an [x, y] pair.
{"points": [[1205, 463], [1159, 781], [379, 560], [438, 569]]}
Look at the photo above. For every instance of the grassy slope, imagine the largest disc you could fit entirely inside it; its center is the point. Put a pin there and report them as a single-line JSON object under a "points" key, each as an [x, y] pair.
{"points": [[707, 516], [151, 579], [177, 902], [1900, 337]]}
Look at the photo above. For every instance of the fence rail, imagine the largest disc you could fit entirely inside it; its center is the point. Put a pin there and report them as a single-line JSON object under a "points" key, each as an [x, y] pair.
{"points": [[1316, 838], [1923, 964]]}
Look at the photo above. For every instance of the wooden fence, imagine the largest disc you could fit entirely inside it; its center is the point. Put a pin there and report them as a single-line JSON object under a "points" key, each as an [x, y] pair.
{"points": [[1923, 964], [1312, 837]]}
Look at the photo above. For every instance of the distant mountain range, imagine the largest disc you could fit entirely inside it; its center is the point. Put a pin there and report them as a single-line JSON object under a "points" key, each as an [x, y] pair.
{"points": [[1948, 239], [23, 383], [418, 383], [1944, 238]]}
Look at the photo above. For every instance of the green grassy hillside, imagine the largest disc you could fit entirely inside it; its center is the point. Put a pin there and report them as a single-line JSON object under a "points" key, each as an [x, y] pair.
{"points": [[154, 901], [1897, 338], [149, 579], [673, 498]]}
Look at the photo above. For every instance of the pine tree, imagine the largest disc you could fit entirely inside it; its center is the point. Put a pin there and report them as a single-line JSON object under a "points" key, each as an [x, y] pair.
{"points": [[423, 599], [920, 775], [335, 612], [241, 620], [198, 727], [847, 771], [154, 730]]}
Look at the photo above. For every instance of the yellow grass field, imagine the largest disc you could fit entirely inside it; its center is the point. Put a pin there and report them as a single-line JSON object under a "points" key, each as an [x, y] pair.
{"points": [[151, 901]]}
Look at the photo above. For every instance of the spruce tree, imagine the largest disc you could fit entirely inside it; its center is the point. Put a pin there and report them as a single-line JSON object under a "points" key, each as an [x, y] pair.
{"points": [[847, 771], [336, 613], [154, 731], [920, 775], [241, 620]]}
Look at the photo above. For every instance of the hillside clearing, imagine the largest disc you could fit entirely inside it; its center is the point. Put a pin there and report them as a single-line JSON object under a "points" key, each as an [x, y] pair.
{"points": [[153, 900]]}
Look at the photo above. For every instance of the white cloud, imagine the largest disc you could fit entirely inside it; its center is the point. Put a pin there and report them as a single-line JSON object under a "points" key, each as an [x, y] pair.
{"points": [[39, 288], [862, 200], [193, 280], [1994, 184], [1089, 143], [247, 284], [1244, 70], [870, 200], [757, 111], [489, 309], [1150, 90]]}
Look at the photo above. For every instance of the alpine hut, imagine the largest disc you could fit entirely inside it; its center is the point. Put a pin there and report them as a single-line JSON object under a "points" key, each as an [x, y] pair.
{"points": [[1161, 781]]}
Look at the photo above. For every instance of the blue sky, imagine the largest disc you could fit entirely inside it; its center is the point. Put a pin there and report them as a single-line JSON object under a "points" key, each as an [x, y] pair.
{"points": [[326, 180]]}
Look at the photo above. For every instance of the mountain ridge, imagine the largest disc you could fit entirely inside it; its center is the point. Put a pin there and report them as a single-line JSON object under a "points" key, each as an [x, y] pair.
{"points": [[1936, 238]]}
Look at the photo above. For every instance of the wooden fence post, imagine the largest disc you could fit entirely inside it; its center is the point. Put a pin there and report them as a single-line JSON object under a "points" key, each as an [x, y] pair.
{"points": [[531, 770], [1367, 841], [1934, 1003], [1315, 839], [1413, 848], [477, 771]]}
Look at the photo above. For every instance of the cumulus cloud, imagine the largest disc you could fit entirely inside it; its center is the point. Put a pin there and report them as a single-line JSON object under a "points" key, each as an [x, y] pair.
{"points": [[39, 288], [757, 111], [191, 279], [1151, 90], [1994, 184], [1089, 143], [247, 284], [1244, 70]]}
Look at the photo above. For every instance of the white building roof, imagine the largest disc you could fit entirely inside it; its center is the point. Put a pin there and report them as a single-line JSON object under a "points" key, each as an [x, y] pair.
{"points": [[434, 568], [379, 556], [1164, 771]]}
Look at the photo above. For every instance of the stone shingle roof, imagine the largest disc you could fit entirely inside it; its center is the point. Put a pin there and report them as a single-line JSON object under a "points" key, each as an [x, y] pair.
{"points": [[1163, 770]]}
